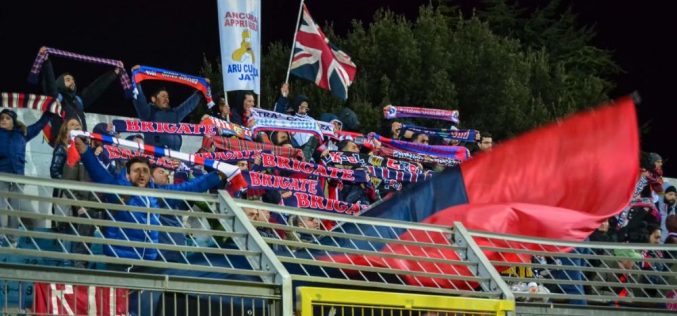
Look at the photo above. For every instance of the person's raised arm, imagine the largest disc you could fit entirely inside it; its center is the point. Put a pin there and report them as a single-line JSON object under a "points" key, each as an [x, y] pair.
{"points": [[199, 184], [139, 100], [48, 78], [282, 101], [95, 89], [35, 128], [96, 171], [188, 105]]}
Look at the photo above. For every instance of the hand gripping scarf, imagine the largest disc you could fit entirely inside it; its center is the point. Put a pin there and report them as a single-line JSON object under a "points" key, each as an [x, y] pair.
{"points": [[311, 169], [229, 170], [136, 126], [152, 73], [327, 129], [467, 135], [228, 128], [42, 57], [454, 152], [415, 157], [301, 126], [229, 144], [393, 112], [31, 101]]}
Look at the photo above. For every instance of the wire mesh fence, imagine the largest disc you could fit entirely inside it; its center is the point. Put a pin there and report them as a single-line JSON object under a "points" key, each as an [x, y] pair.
{"points": [[604, 274]]}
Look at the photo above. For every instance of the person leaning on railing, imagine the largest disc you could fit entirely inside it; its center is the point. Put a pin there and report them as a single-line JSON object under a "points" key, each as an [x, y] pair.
{"points": [[138, 175]]}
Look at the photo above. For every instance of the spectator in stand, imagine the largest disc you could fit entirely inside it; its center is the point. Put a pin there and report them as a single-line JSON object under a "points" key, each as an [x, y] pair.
{"points": [[159, 110], [137, 138], [60, 152], [13, 136], [138, 175], [652, 169], [99, 152], [65, 90], [667, 206], [355, 192], [222, 110], [626, 261], [486, 142], [241, 112], [299, 108], [420, 138]]}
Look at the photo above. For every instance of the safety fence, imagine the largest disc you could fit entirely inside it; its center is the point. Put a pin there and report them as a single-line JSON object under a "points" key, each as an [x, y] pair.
{"points": [[616, 275], [178, 253]]}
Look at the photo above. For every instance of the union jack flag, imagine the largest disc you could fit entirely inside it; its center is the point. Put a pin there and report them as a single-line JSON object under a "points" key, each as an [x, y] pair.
{"points": [[317, 60]]}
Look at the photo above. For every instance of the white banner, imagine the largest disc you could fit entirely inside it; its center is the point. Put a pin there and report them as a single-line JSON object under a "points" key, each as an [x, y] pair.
{"points": [[240, 35]]}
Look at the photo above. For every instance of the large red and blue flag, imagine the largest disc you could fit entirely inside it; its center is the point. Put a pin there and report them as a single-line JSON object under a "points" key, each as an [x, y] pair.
{"points": [[559, 181], [317, 60]]}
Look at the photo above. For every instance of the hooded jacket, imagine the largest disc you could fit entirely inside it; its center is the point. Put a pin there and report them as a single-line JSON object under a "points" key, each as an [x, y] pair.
{"points": [[101, 175], [73, 104], [150, 112], [13, 144]]}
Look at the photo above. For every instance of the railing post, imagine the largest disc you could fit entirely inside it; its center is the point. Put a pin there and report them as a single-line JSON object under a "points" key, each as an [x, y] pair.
{"points": [[485, 268], [269, 260]]}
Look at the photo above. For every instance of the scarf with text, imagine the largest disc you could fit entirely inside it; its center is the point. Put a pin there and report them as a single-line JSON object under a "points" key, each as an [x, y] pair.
{"points": [[124, 154], [327, 129], [467, 135], [229, 144], [416, 157], [311, 169], [393, 112], [414, 174], [136, 126], [264, 181], [301, 126], [42, 57], [227, 128], [231, 157], [31, 101], [316, 202], [454, 152], [230, 171], [152, 73]]}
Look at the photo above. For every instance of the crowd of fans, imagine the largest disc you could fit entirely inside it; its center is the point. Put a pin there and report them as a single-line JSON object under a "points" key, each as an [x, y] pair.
{"points": [[650, 218]]}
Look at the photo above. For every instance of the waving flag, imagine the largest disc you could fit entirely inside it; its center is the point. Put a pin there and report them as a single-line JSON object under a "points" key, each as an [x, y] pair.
{"points": [[317, 60], [554, 182]]}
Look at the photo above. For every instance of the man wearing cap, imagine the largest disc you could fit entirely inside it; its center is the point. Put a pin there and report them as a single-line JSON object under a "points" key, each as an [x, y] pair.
{"points": [[13, 138]]}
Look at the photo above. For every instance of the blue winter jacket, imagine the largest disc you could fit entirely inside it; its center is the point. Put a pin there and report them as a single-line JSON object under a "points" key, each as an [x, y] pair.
{"points": [[150, 112], [13, 145], [100, 175]]}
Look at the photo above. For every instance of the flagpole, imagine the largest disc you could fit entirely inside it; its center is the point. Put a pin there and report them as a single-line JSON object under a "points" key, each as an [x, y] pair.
{"points": [[296, 30]]}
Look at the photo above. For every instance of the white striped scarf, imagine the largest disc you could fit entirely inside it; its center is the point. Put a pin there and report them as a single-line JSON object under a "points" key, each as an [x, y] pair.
{"points": [[32, 101]]}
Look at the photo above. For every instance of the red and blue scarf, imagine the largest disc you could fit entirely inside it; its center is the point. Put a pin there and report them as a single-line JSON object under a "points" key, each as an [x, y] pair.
{"points": [[416, 157], [316, 202], [136, 126], [393, 112], [467, 135], [311, 169], [228, 128], [459, 153], [151, 73]]}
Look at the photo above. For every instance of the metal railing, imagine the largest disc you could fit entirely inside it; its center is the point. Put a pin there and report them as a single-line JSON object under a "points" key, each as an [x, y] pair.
{"points": [[353, 251], [172, 244], [584, 273]]}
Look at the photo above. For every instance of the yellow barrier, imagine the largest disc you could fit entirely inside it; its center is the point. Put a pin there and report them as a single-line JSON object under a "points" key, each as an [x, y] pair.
{"points": [[313, 301]]}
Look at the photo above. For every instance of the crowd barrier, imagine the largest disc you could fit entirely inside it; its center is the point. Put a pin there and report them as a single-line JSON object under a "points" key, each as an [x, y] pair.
{"points": [[216, 259]]}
